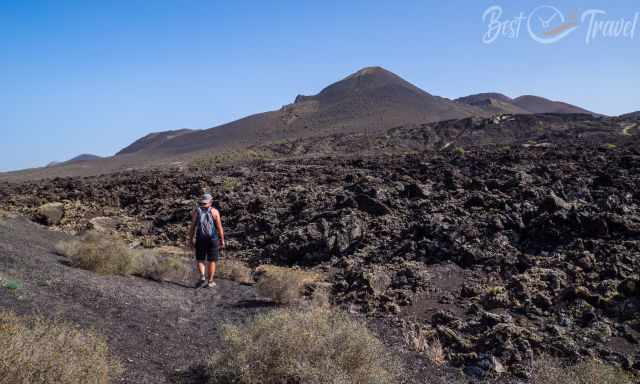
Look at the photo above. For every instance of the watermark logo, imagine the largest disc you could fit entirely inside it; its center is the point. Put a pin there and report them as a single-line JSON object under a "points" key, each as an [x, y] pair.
{"points": [[547, 24]]}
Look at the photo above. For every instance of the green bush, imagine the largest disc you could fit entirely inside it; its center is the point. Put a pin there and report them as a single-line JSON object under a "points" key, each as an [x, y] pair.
{"points": [[459, 151], [311, 346], [13, 285]]}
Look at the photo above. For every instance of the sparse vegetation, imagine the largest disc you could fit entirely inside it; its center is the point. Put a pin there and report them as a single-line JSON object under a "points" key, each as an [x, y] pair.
{"points": [[283, 285], [35, 350], [154, 267], [235, 270], [50, 213], [315, 346], [101, 253], [547, 370], [426, 344], [320, 297], [229, 184], [108, 255], [147, 242], [495, 291]]}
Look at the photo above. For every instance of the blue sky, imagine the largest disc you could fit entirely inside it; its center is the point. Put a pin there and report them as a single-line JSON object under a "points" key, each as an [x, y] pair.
{"points": [[93, 76]]}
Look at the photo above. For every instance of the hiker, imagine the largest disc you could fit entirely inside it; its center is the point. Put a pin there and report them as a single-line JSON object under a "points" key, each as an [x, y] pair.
{"points": [[206, 226]]}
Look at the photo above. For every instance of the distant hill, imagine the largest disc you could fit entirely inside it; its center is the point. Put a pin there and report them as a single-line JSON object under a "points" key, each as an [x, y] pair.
{"points": [[369, 100], [493, 103], [83, 157], [365, 106], [153, 140], [537, 104], [632, 115], [77, 159], [499, 103]]}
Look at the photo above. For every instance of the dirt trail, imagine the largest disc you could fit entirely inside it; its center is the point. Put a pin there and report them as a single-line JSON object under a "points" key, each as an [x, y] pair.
{"points": [[158, 330]]}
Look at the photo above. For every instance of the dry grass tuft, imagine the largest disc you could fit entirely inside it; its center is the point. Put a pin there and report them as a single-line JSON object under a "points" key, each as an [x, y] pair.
{"points": [[38, 351], [428, 345], [230, 183], [101, 253], [320, 296], [108, 255], [155, 267], [236, 271], [548, 370], [316, 346], [284, 285]]}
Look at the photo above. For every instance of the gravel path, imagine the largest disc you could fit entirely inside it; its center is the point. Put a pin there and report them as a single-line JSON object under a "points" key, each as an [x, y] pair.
{"points": [[159, 331]]}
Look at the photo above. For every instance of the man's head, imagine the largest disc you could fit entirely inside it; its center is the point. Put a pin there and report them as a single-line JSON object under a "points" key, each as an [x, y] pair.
{"points": [[206, 200]]}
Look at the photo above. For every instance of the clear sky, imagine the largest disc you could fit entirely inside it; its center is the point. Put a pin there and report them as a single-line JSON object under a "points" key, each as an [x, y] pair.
{"points": [[93, 76]]}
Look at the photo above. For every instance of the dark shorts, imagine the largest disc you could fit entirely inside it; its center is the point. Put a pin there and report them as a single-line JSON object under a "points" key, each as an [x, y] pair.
{"points": [[207, 250]]}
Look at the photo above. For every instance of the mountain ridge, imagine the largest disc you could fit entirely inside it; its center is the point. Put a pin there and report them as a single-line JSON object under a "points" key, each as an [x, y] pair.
{"points": [[525, 104], [371, 99]]}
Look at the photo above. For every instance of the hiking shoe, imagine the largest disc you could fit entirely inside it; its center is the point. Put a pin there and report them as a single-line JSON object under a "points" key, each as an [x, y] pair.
{"points": [[200, 283], [211, 284]]}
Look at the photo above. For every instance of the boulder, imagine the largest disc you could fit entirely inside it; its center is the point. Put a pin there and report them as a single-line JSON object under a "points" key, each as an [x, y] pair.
{"points": [[371, 205], [415, 191], [553, 203], [49, 214], [378, 281], [104, 224]]}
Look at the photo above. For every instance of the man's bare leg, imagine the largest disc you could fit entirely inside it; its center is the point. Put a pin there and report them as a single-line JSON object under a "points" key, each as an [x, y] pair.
{"points": [[201, 269], [212, 270]]}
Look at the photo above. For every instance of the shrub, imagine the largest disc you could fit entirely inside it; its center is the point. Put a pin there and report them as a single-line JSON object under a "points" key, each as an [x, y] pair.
{"points": [[548, 370], [427, 345], [283, 285], [101, 253], [610, 146], [229, 184], [108, 255], [315, 346], [38, 351], [459, 151], [234, 270], [155, 267], [12, 285], [49, 214]]}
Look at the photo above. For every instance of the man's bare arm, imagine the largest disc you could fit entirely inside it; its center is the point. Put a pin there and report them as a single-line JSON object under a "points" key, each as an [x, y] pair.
{"points": [[192, 229], [219, 228]]}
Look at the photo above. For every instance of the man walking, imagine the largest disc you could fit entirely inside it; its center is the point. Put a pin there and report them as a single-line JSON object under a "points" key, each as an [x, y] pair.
{"points": [[206, 227]]}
